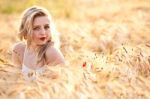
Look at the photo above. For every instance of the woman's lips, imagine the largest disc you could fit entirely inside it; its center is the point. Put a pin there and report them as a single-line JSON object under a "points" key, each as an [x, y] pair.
{"points": [[42, 38]]}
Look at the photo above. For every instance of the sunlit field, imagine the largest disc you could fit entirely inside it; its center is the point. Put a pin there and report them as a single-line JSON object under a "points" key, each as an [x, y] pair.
{"points": [[106, 44]]}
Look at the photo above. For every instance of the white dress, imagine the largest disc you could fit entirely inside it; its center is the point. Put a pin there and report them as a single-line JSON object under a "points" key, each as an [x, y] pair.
{"points": [[31, 74]]}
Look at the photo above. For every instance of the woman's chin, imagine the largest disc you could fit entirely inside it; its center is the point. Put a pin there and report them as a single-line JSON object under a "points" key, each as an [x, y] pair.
{"points": [[41, 43]]}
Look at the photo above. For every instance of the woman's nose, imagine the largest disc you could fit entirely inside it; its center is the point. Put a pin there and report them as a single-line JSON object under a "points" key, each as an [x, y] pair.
{"points": [[43, 31]]}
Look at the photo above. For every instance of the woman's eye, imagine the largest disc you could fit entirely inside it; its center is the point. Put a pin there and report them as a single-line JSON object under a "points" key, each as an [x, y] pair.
{"points": [[46, 27], [36, 28]]}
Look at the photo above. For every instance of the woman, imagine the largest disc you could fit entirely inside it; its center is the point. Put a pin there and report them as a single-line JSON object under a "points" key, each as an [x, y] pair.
{"points": [[38, 50]]}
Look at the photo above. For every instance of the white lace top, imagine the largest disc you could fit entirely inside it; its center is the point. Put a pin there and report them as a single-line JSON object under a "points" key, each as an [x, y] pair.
{"points": [[31, 74]]}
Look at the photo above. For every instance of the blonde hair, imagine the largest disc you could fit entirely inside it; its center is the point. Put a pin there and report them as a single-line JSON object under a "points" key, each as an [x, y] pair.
{"points": [[26, 29]]}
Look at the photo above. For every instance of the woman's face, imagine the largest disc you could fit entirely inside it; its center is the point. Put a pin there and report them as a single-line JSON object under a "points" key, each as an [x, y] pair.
{"points": [[41, 30]]}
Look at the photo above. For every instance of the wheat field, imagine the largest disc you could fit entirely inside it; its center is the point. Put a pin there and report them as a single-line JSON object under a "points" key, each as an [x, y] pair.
{"points": [[106, 44]]}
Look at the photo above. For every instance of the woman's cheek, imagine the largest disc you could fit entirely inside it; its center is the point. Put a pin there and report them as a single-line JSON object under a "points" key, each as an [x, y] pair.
{"points": [[48, 35]]}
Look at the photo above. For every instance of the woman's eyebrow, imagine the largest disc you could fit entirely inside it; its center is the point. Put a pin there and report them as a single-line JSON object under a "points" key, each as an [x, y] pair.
{"points": [[40, 25], [46, 24], [36, 25]]}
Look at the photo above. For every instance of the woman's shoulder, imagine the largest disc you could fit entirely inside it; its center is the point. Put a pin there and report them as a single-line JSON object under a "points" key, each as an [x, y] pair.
{"points": [[19, 46], [51, 50], [54, 56]]}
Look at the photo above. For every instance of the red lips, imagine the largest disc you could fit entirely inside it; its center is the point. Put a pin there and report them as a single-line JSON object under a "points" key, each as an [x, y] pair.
{"points": [[42, 38]]}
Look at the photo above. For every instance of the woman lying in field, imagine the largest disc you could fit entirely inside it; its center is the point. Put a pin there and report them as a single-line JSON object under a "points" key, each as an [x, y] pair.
{"points": [[38, 50]]}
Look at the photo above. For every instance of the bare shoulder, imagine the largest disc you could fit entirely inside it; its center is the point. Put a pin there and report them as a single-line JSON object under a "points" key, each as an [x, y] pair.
{"points": [[54, 55], [51, 49], [17, 53], [53, 52], [19, 47]]}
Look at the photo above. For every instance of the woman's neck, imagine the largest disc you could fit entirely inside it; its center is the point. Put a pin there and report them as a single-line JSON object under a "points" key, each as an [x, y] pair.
{"points": [[34, 47]]}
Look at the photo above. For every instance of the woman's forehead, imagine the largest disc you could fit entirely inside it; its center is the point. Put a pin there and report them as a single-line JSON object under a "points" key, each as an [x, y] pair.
{"points": [[41, 20]]}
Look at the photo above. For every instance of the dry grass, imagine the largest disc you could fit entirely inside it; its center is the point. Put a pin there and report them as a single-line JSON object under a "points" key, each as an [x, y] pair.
{"points": [[108, 49]]}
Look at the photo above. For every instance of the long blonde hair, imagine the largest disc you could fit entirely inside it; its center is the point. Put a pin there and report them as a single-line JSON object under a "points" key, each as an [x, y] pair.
{"points": [[26, 30]]}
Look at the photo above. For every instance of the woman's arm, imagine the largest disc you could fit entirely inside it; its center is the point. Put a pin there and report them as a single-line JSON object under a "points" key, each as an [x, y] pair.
{"points": [[16, 54], [15, 57], [54, 56]]}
